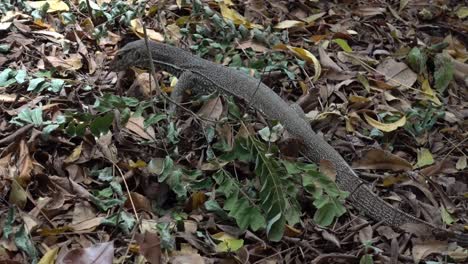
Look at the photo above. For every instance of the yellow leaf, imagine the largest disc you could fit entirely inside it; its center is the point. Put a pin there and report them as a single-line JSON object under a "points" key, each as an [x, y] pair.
{"points": [[386, 127], [358, 99], [75, 155], [237, 18], [289, 24], [461, 163], [49, 256], [18, 195], [462, 12], [54, 5], [429, 93], [424, 158], [304, 55], [137, 28], [137, 164], [228, 242]]}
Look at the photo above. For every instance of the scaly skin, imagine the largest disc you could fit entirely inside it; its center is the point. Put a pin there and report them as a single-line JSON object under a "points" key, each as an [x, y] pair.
{"points": [[205, 76]]}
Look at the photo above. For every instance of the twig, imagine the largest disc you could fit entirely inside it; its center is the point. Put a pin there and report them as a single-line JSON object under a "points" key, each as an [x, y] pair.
{"points": [[17, 133]]}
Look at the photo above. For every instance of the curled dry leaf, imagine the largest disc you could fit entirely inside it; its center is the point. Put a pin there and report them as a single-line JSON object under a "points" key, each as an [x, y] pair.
{"points": [[136, 126], [377, 159], [71, 63], [304, 55], [422, 249], [150, 246], [386, 127], [102, 253], [137, 28]]}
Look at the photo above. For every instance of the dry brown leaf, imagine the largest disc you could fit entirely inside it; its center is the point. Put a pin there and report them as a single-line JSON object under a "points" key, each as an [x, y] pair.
{"points": [[326, 61], [397, 73], [150, 246], [212, 109], [24, 164], [139, 201], [422, 249], [72, 63], [136, 126], [327, 168], [377, 159], [102, 253]]}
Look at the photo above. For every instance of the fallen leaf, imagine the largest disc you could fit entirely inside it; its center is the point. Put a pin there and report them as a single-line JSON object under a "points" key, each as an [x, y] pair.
{"points": [[137, 28], [423, 249], [289, 24], [136, 126], [228, 243], [54, 5], [386, 127], [212, 109], [429, 93], [102, 253], [382, 160], [49, 256], [150, 246], [304, 55], [238, 19], [397, 73], [461, 163], [424, 158], [72, 63]]}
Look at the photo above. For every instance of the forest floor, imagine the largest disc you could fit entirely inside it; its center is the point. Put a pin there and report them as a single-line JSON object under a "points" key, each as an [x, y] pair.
{"points": [[94, 170]]}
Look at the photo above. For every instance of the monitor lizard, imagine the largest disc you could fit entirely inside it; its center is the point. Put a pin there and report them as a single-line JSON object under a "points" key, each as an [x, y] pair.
{"points": [[204, 76]]}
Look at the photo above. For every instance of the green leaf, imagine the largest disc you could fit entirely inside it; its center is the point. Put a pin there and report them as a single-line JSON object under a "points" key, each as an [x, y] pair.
{"points": [[424, 158], [446, 217], [48, 129], [328, 210], [246, 216], [56, 85], [229, 245], [172, 133], [275, 227], [100, 125], [8, 224], [105, 193], [167, 240], [153, 119], [4, 48], [106, 204], [25, 244], [366, 259], [417, 60], [67, 18], [36, 85], [104, 174], [123, 220], [213, 206], [444, 71], [21, 76], [28, 116], [462, 12], [5, 76], [343, 44]]}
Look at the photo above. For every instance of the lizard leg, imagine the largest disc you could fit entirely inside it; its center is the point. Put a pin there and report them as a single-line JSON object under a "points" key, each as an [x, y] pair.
{"points": [[186, 81]]}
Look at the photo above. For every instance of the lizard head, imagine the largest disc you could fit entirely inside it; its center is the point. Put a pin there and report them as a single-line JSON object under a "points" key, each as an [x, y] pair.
{"points": [[132, 54]]}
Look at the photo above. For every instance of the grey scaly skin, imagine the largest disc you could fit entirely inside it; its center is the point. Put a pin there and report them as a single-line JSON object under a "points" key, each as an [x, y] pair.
{"points": [[205, 77]]}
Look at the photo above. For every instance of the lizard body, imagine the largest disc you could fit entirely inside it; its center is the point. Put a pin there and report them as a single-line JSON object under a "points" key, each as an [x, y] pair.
{"points": [[206, 76]]}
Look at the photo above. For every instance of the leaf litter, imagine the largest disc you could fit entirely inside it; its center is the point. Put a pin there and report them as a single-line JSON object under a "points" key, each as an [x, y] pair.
{"points": [[93, 172]]}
